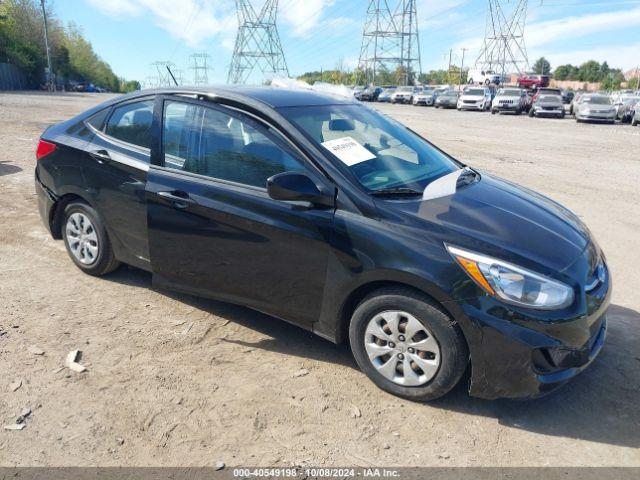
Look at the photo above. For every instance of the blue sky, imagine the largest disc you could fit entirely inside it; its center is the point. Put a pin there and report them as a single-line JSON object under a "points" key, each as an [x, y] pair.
{"points": [[131, 34]]}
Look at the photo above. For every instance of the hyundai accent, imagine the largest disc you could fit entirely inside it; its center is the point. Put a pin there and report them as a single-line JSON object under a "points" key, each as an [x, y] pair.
{"points": [[326, 214]]}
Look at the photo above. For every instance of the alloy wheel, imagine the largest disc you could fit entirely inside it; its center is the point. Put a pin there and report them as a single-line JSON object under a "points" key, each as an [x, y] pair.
{"points": [[401, 348], [82, 238]]}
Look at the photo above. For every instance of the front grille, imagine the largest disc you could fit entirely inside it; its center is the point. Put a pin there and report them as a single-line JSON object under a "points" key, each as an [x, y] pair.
{"points": [[469, 101]]}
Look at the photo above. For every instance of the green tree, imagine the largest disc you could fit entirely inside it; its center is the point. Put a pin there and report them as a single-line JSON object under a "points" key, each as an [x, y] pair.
{"points": [[542, 66], [590, 72]]}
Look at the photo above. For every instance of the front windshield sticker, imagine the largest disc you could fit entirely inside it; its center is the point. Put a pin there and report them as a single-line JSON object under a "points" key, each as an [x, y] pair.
{"points": [[348, 150]]}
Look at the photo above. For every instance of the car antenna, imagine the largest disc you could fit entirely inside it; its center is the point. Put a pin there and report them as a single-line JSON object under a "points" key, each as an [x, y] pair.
{"points": [[170, 73]]}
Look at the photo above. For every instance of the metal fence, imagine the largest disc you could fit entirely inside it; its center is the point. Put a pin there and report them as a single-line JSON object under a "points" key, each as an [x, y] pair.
{"points": [[11, 78]]}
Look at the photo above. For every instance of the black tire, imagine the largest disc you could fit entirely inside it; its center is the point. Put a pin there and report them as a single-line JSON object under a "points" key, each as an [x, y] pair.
{"points": [[493, 112], [453, 348], [532, 113], [634, 123], [106, 261]]}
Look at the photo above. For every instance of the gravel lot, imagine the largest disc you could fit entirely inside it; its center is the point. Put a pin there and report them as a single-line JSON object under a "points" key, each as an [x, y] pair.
{"points": [[176, 380]]}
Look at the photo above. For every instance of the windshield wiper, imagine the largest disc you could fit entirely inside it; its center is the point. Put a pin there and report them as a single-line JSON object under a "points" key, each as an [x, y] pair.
{"points": [[401, 191]]}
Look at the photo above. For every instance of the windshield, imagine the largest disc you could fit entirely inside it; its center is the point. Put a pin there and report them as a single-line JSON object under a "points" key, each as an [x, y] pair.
{"points": [[474, 91], [380, 152], [405, 89], [510, 92], [597, 100], [550, 99]]}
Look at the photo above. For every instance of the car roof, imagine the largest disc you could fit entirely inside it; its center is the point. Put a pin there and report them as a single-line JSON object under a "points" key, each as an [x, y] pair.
{"points": [[274, 97]]}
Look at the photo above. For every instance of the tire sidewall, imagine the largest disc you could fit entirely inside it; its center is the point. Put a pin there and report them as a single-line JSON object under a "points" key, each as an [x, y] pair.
{"points": [[103, 242], [453, 354]]}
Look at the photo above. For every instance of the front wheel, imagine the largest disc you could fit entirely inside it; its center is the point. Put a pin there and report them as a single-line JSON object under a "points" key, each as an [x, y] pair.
{"points": [[407, 345], [634, 123], [87, 241]]}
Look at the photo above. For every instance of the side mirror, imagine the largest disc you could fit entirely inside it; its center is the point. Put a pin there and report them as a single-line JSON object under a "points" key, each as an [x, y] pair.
{"points": [[297, 187]]}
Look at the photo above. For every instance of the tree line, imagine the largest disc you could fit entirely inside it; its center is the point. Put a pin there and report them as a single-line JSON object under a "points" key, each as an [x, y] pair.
{"points": [[589, 72], [72, 55]]}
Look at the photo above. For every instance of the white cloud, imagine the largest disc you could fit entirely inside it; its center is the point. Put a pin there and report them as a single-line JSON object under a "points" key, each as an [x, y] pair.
{"points": [[546, 32], [303, 16], [192, 21]]}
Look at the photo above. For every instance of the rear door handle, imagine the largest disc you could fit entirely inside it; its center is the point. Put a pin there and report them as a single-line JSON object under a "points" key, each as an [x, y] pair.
{"points": [[178, 199], [101, 156]]}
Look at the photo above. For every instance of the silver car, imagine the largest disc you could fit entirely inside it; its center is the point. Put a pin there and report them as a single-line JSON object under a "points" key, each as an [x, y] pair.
{"points": [[595, 108], [447, 99], [625, 107], [509, 100], [426, 97], [547, 105], [636, 115]]}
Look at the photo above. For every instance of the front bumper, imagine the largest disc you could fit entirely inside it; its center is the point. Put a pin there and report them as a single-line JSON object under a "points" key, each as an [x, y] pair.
{"points": [[401, 100], [541, 112], [596, 117], [471, 106], [423, 101], [506, 107], [515, 354]]}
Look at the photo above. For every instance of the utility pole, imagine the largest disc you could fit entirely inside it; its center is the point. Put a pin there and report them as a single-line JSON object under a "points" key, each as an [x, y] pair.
{"points": [[46, 46], [257, 43], [449, 69], [461, 69]]}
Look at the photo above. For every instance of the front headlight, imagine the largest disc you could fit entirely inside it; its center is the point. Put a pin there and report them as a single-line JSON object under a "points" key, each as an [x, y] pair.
{"points": [[513, 284]]}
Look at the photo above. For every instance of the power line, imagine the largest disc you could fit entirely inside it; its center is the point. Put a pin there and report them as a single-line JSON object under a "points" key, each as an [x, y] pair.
{"points": [[257, 43]]}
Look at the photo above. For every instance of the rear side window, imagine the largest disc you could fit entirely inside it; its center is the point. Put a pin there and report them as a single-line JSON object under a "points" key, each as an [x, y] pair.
{"points": [[131, 123], [212, 143], [97, 119]]}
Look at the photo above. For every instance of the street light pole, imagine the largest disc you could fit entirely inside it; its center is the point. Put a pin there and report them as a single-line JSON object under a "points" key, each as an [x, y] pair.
{"points": [[46, 41]]}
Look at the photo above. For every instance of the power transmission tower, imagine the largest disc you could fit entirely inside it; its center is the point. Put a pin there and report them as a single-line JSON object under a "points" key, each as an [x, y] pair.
{"points": [[164, 78], [200, 66], [503, 50], [390, 39], [257, 43]]}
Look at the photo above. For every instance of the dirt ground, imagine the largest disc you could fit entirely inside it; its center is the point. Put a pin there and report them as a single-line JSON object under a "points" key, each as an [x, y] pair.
{"points": [[176, 380]]}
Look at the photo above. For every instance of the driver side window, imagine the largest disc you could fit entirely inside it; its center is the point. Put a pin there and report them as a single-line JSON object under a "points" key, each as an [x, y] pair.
{"points": [[212, 143]]}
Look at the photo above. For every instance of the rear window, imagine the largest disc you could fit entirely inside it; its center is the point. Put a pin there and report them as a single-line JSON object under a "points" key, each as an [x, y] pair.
{"points": [[131, 123]]}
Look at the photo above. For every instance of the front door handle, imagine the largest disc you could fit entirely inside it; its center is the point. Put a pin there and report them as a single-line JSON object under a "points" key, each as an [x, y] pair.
{"points": [[178, 198], [101, 156]]}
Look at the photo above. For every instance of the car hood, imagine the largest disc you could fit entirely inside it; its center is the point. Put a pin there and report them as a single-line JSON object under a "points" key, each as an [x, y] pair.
{"points": [[505, 97], [494, 215], [472, 97]]}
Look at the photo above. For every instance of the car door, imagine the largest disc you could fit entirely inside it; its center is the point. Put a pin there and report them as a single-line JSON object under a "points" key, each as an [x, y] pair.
{"points": [[117, 173], [213, 229]]}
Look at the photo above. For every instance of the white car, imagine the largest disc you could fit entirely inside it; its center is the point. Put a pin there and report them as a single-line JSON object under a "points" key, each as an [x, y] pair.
{"points": [[475, 98], [402, 95], [509, 100]]}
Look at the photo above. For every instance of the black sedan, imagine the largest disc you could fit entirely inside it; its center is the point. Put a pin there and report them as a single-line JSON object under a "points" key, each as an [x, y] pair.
{"points": [[326, 214]]}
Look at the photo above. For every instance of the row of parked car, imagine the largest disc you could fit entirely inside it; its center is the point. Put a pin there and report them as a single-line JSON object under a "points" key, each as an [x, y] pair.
{"points": [[541, 102]]}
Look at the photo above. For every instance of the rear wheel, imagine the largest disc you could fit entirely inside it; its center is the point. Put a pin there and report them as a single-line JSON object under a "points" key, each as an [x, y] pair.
{"points": [[86, 240], [407, 345]]}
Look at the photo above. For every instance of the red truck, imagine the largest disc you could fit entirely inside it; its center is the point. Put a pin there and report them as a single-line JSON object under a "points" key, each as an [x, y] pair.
{"points": [[533, 81]]}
